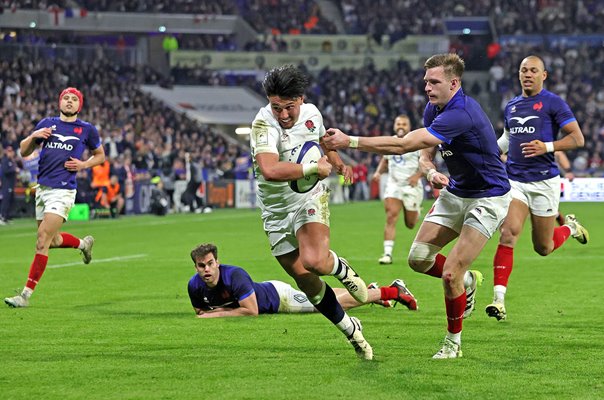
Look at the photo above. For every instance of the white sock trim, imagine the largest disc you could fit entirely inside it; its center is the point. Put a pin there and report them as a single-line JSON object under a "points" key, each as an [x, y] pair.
{"points": [[346, 325], [455, 337], [336, 262]]}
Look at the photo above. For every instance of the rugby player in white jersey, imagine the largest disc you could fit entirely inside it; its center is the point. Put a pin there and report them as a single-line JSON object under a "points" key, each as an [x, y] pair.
{"points": [[403, 190], [297, 224]]}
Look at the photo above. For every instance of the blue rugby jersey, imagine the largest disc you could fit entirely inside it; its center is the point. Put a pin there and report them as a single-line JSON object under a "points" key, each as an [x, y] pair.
{"points": [[470, 148], [538, 117], [234, 285], [68, 139]]}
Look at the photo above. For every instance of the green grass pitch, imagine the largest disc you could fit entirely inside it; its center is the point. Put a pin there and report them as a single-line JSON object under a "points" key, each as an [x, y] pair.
{"points": [[123, 328]]}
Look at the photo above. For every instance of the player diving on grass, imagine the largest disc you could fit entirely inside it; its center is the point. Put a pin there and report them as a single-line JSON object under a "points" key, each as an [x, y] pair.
{"points": [[220, 290]]}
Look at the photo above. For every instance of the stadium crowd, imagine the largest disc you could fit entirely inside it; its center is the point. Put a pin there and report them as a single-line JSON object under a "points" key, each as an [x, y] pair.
{"points": [[394, 18], [138, 130], [142, 137]]}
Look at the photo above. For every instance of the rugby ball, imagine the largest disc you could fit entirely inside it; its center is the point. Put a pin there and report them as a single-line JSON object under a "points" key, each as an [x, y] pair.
{"points": [[307, 152]]}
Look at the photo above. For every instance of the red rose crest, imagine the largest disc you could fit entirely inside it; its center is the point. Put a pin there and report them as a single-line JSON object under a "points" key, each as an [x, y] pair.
{"points": [[310, 125], [311, 212]]}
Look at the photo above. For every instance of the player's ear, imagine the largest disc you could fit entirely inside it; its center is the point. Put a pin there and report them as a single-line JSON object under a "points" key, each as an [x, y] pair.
{"points": [[455, 82]]}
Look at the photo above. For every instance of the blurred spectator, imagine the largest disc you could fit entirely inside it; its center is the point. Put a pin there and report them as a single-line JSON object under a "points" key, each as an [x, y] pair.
{"points": [[8, 178], [160, 202]]}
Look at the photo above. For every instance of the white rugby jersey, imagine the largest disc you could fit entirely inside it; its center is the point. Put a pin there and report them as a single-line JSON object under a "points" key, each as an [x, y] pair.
{"points": [[269, 137], [401, 167]]}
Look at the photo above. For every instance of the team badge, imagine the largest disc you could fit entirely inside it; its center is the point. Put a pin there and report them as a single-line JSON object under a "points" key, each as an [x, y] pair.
{"points": [[310, 125], [538, 106], [311, 212]]}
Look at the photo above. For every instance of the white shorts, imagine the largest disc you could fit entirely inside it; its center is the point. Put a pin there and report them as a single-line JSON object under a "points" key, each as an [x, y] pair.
{"points": [[292, 300], [541, 197], [411, 196], [281, 228], [56, 201], [484, 214]]}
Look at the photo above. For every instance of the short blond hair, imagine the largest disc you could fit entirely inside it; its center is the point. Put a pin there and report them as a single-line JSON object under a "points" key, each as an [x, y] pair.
{"points": [[451, 63]]}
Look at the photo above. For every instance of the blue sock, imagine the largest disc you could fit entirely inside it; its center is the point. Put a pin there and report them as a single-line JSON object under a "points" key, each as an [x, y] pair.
{"points": [[329, 306]]}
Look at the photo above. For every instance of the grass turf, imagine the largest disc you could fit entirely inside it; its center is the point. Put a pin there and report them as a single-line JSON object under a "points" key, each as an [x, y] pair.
{"points": [[123, 328]]}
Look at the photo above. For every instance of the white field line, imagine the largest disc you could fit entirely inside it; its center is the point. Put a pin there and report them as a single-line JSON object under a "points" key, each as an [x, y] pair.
{"points": [[100, 260]]}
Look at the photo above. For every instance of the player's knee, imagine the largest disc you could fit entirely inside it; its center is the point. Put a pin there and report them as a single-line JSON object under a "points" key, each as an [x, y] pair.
{"points": [[392, 218], [543, 250], [449, 278], [508, 236], [312, 262], [422, 255]]}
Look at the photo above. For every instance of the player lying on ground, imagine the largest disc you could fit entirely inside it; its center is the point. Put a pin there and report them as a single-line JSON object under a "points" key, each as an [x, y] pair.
{"points": [[219, 290]]}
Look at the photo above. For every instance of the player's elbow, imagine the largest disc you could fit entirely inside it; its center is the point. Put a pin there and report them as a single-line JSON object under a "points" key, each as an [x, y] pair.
{"points": [[272, 174], [25, 150]]}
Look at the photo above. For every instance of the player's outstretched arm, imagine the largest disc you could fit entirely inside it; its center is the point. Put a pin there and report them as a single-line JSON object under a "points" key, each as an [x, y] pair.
{"points": [[415, 140]]}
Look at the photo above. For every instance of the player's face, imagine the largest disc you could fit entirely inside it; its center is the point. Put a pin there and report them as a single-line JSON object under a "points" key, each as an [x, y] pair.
{"points": [[402, 126], [286, 111], [531, 74], [439, 87], [69, 104], [207, 269]]}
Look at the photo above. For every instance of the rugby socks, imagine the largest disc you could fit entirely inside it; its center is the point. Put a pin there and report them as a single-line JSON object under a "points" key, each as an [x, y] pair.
{"points": [[327, 304], [561, 233], [35, 272], [455, 309], [388, 293], [70, 241], [339, 270], [502, 269], [388, 247], [437, 269], [346, 325]]}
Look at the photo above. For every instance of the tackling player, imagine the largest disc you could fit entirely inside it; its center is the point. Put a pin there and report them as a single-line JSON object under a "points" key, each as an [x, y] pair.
{"points": [[476, 197]]}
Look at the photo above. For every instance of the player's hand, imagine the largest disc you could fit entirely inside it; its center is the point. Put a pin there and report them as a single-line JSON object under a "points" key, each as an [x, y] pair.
{"points": [[336, 139], [438, 180], [533, 148], [570, 176], [42, 133], [346, 172], [74, 165], [376, 176], [324, 168], [413, 180]]}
